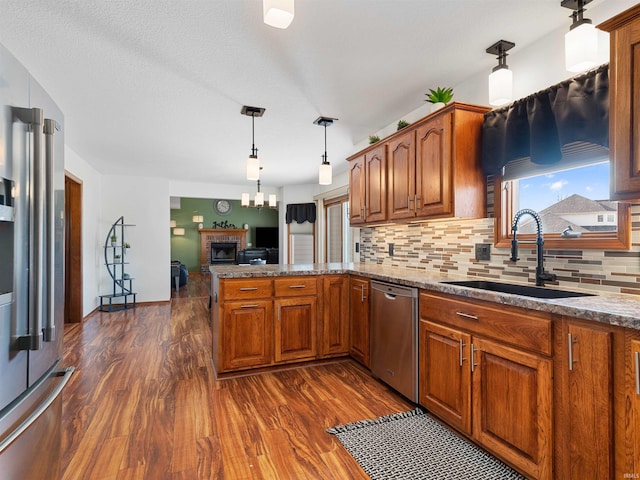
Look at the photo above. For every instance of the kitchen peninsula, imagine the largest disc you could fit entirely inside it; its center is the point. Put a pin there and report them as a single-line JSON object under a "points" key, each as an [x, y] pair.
{"points": [[571, 360]]}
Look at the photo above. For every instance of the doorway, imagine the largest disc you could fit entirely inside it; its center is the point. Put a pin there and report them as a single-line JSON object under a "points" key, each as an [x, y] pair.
{"points": [[72, 250]]}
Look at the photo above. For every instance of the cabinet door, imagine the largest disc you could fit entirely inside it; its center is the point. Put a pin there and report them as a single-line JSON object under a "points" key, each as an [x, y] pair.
{"points": [[512, 406], [624, 125], [585, 404], [433, 167], [247, 332], [401, 177], [375, 205], [359, 345], [335, 316], [295, 328], [632, 421], [445, 374], [356, 190]]}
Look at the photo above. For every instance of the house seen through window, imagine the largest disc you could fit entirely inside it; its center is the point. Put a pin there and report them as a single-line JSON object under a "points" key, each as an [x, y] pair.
{"points": [[576, 199]]}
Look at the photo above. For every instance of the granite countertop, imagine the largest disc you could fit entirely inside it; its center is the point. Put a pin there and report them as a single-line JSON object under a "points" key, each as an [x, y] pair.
{"points": [[614, 309]]}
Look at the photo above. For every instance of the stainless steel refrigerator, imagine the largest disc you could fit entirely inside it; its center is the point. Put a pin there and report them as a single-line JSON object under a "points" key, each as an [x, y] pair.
{"points": [[31, 276]]}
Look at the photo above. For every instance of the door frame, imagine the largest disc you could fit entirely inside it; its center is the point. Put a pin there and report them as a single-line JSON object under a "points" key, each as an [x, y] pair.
{"points": [[73, 293]]}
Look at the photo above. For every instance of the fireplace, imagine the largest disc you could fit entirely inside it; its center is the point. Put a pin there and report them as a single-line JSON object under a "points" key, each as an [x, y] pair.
{"points": [[209, 236], [223, 252]]}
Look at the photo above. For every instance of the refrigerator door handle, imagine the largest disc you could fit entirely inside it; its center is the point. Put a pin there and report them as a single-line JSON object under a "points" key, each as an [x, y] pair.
{"points": [[34, 118], [67, 372], [49, 328]]}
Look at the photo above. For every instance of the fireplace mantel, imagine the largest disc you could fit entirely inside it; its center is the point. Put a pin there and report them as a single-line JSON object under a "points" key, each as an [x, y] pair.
{"points": [[219, 235]]}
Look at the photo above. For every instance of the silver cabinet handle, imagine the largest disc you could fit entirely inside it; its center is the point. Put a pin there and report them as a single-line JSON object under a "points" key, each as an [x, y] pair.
{"points": [[409, 202], [362, 290], [466, 315], [473, 358], [637, 355], [297, 286], [254, 305], [248, 289], [462, 345], [570, 342]]}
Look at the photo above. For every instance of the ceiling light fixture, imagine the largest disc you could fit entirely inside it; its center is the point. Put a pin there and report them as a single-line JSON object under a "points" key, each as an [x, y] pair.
{"points": [[278, 13], [581, 41], [501, 78], [258, 200], [325, 175], [253, 165]]}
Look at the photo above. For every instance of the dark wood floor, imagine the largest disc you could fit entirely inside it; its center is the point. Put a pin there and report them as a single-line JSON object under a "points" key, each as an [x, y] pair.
{"points": [[144, 403]]}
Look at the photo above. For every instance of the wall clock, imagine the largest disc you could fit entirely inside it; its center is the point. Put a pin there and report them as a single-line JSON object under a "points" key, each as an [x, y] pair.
{"points": [[222, 207]]}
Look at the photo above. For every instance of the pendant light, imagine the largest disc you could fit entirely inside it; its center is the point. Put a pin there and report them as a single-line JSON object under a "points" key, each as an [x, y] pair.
{"points": [[278, 13], [325, 174], [581, 41], [258, 199], [253, 165], [501, 78]]}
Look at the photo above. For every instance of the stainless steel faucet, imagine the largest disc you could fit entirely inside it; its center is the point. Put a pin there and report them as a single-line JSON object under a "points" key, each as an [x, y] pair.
{"points": [[541, 275]]}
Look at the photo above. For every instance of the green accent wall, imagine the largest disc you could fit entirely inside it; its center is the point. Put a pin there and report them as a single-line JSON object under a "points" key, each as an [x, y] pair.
{"points": [[187, 248]]}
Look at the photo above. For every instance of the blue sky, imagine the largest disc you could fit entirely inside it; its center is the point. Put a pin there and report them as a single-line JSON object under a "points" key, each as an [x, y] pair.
{"points": [[542, 191]]}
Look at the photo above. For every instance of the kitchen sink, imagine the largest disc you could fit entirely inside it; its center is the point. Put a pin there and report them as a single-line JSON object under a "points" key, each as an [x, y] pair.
{"points": [[514, 289]]}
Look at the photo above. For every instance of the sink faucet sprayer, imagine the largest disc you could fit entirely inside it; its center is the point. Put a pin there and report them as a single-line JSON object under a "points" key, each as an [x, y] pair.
{"points": [[541, 275]]}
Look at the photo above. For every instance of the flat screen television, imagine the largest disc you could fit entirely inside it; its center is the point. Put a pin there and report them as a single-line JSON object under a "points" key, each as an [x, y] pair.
{"points": [[267, 237]]}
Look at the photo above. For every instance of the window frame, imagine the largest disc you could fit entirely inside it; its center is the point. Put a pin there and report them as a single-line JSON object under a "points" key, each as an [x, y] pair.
{"points": [[332, 202], [504, 212]]}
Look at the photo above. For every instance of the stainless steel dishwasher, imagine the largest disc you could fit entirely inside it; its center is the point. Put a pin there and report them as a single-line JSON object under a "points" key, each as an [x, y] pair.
{"points": [[394, 337]]}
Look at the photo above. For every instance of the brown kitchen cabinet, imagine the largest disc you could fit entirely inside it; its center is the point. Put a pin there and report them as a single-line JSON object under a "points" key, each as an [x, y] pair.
{"points": [[334, 336], [401, 174], [445, 374], [485, 369], [359, 325], [368, 186], [583, 387], [624, 101], [295, 328], [247, 334], [628, 406]]}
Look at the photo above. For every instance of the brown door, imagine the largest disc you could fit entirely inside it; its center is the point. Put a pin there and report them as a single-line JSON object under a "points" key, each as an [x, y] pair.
{"points": [[335, 324], [359, 346], [375, 205], [356, 190], [72, 251], [401, 173], [247, 334], [295, 328]]}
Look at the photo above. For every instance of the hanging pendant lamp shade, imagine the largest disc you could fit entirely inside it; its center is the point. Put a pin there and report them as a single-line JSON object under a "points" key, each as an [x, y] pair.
{"points": [[278, 13], [325, 173], [273, 201], [581, 41], [501, 78], [253, 164]]}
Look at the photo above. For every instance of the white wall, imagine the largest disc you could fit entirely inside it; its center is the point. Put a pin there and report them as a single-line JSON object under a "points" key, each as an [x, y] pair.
{"points": [[144, 202], [92, 262]]}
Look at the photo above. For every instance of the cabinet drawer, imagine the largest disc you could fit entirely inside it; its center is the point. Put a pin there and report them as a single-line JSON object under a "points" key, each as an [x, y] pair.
{"points": [[238, 289], [520, 327], [295, 286]]}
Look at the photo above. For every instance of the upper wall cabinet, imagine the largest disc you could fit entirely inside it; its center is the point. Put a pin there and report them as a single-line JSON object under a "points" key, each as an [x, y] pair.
{"points": [[624, 101], [432, 170], [367, 186]]}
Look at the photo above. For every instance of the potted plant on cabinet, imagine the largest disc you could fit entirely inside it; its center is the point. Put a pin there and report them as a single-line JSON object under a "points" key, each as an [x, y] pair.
{"points": [[439, 97], [373, 139], [114, 240], [402, 124]]}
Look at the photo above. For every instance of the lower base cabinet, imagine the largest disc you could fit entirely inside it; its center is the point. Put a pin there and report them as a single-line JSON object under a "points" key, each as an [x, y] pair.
{"points": [[359, 326], [583, 401], [497, 394], [247, 334], [296, 327]]}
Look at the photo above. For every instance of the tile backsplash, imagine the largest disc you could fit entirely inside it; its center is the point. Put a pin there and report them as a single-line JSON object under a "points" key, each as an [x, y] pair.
{"points": [[449, 247]]}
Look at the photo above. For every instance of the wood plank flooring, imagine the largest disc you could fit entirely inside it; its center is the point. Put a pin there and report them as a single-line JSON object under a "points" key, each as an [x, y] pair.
{"points": [[144, 404]]}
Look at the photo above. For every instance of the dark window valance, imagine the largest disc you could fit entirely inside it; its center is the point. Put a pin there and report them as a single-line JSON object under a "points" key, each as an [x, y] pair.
{"points": [[301, 212], [540, 125]]}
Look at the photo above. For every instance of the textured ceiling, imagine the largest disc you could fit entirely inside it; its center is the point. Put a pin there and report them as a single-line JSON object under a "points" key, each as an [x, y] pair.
{"points": [[155, 87]]}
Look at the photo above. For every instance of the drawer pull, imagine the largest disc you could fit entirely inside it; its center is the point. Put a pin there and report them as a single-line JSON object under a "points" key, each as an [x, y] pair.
{"points": [[297, 286], [466, 315], [637, 355], [254, 305], [248, 289]]}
